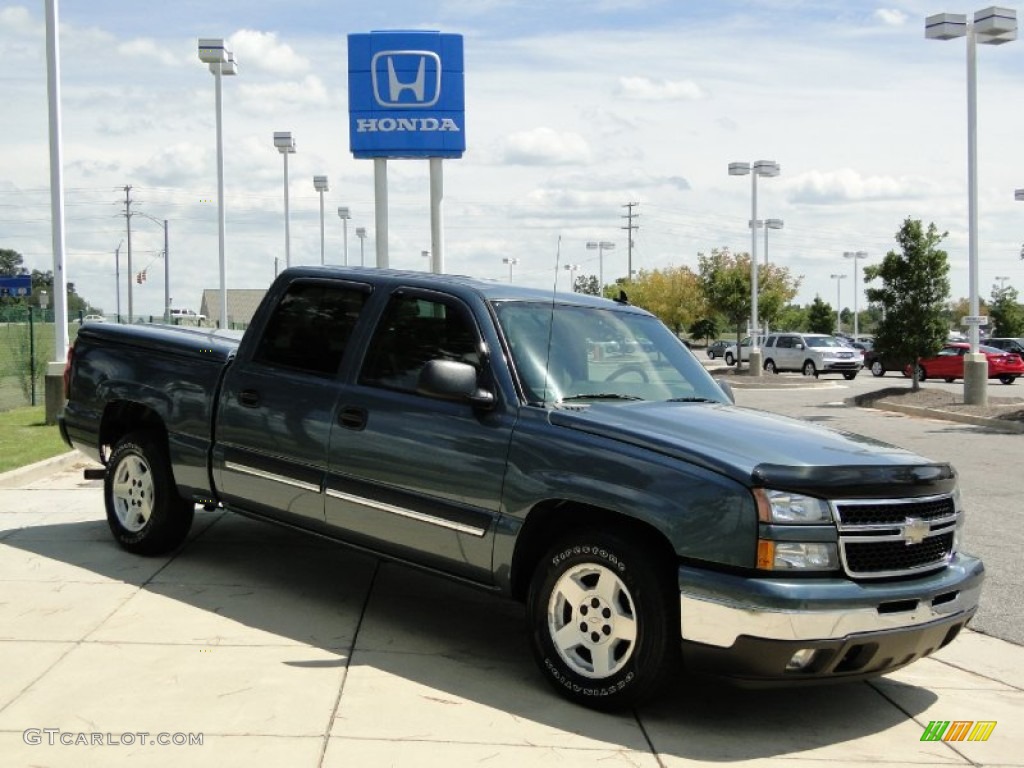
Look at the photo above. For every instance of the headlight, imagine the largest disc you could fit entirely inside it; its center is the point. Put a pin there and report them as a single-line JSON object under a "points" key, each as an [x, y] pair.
{"points": [[796, 556], [784, 507]]}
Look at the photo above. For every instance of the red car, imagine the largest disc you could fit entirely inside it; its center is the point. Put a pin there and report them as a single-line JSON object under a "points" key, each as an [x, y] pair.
{"points": [[948, 364]]}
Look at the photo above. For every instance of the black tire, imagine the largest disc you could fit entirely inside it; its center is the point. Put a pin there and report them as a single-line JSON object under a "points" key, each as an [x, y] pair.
{"points": [[949, 379], [809, 369], [849, 375], [626, 606], [144, 511], [729, 359], [769, 365], [1006, 378], [877, 369], [922, 374]]}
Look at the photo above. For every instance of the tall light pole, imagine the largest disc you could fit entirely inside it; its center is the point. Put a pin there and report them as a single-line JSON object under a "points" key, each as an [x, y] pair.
{"points": [[320, 185], [856, 256], [767, 224], [767, 168], [601, 246], [572, 269], [991, 26], [344, 215], [839, 305], [1003, 280], [222, 62], [361, 234], [511, 263], [286, 146]]}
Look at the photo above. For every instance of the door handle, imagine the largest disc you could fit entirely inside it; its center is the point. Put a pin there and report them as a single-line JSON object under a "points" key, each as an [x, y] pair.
{"points": [[250, 398], [352, 418]]}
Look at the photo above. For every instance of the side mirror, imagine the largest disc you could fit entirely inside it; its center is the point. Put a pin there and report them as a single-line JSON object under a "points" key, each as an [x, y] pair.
{"points": [[452, 380], [726, 387], [798, 346]]}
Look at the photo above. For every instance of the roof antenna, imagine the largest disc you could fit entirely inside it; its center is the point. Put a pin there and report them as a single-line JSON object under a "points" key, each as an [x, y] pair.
{"points": [[551, 322]]}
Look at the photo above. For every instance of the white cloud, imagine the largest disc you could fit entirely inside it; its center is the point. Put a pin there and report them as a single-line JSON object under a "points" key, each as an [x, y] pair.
{"points": [[275, 97], [545, 146], [145, 48], [892, 17], [646, 89], [262, 51], [18, 20], [845, 184]]}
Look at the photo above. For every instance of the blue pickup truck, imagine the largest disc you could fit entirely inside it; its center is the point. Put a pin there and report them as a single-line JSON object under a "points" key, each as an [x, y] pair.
{"points": [[567, 451]]}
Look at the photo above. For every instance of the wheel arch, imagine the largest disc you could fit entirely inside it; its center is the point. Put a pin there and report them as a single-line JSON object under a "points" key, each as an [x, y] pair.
{"points": [[122, 417], [552, 518]]}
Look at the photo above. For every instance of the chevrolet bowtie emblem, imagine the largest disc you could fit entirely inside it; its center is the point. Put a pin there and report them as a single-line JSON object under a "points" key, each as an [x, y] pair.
{"points": [[915, 530]]}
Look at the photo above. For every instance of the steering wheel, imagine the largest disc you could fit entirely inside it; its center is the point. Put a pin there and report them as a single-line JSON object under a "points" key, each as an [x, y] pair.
{"points": [[627, 369]]}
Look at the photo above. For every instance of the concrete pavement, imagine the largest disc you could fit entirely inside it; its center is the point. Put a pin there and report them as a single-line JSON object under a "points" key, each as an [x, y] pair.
{"points": [[276, 649]]}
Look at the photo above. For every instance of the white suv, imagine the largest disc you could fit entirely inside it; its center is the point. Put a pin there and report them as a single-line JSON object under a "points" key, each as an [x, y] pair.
{"points": [[743, 355], [186, 317], [811, 354]]}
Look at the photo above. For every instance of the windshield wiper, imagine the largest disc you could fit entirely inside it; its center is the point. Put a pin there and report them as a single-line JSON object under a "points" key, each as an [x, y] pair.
{"points": [[691, 400], [601, 396]]}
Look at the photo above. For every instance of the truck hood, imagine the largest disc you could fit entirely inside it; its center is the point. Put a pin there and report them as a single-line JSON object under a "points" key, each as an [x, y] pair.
{"points": [[763, 449]]}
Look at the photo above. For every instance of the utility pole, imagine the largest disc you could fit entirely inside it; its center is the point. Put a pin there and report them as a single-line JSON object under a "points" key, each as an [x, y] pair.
{"points": [[630, 226], [128, 218]]}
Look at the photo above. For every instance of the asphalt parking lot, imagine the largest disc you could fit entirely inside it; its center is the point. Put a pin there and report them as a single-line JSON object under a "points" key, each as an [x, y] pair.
{"points": [[279, 650]]}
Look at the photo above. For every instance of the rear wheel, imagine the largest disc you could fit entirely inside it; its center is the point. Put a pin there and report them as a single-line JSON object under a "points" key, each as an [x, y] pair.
{"points": [[922, 374], [949, 379], [729, 359], [849, 375], [604, 620], [877, 369], [769, 365], [144, 511], [1007, 378], [809, 369]]}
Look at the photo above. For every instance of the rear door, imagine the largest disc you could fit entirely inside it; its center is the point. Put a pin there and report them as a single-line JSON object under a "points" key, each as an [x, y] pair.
{"points": [[410, 474], [276, 406]]}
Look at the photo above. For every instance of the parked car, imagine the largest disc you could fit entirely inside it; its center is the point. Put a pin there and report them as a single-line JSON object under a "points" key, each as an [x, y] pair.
{"points": [[880, 362], [1007, 344], [460, 426], [94, 319], [812, 354], [187, 317], [730, 355], [717, 348], [948, 364]]}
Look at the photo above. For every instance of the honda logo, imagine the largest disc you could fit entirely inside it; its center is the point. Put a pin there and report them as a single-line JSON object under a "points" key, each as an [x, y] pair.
{"points": [[406, 79]]}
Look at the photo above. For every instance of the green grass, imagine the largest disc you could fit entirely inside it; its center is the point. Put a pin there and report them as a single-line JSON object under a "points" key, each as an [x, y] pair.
{"points": [[25, 438]]}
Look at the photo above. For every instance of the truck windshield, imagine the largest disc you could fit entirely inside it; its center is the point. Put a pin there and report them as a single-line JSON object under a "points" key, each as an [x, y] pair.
{"points": [[568, 352]]}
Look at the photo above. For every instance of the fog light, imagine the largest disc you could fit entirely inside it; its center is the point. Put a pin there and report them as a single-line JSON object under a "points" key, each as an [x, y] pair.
{"points": [[801, 659]]}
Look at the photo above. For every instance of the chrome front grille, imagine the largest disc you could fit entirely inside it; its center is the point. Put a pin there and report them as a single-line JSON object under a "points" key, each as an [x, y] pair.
{"points": [[882, 538]]}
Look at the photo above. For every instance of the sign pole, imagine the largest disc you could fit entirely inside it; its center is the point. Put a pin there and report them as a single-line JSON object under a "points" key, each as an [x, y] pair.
{"points": [[380, 209], [436, 215]]}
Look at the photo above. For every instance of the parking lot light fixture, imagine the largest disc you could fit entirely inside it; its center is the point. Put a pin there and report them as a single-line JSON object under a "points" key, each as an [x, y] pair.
{"points": [[839, 321], [572, 269], [221, 62], [344, 215], [990, 26], [320, 185], [361, 234], [601, 246], [511, 261], [856, 256], [767, 168], [286, 146]]}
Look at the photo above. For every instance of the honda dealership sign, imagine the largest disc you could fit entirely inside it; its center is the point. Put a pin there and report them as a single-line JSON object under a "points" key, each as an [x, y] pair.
{"points": [[406, 95]]}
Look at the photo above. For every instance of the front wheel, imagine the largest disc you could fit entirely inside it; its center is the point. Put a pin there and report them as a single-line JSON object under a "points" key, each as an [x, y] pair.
{"points": [[809, 369], [729, 359], [604, 620], [144, 511], [769, 366], [849, 375], [877, 369]]}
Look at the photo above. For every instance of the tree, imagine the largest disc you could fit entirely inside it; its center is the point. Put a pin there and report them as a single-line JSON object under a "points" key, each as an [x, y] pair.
{"points": [[793, 317], [956, 310], [820, 317], [915, 287], [10, 263], [706, 328], [1006, 313], [587, 284], [673, 294]]}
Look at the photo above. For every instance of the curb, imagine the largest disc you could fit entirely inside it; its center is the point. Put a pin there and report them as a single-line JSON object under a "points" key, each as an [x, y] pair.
{"points": [[1010, 427], [21, 476]]}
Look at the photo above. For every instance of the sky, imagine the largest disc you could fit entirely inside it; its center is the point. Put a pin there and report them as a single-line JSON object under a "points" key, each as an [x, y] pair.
{"points": [[573, 110]]}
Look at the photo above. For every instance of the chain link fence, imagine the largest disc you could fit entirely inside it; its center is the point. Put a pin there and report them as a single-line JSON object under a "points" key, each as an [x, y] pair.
{"points": [[26, 348]]}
